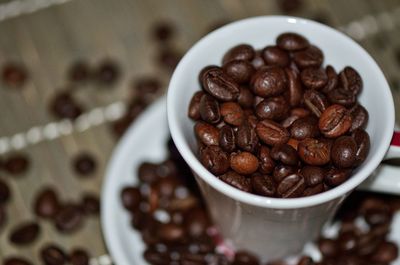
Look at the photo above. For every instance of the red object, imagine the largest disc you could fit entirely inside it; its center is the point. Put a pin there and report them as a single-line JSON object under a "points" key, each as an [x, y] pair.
{"points": [[396, 139]]}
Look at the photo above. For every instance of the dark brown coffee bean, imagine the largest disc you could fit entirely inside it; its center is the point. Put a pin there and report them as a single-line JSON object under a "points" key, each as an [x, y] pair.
{"points": [[272, 133], [347, 242], [64, 106], [246, 137], [163, 30], [53, 255], [258, 61], [305, 261], [4, 192], [313, 175], [155, 257], [90, 204], [362, 140], [147, 87], [286, 123], [291, 186], [170, 232], [107, 72], [84, 164], [342, 96], [376, 217], [245, 98], [274, 55], [239, 52], [334, 121], [289, 6], [293, 143], [269, 81], [214, 159], [367, 244], [267, 164], [244, 163], [333, 79], [240, 70], [25, 233], [79, 257], [220, 85], [209, 109], [69, 218], [46, 204], [79, 72], [351, 80], [243, 257], [3, 215], [196, 222], [294, 93], [359, 116], [14, 75], [285, 154], [204, 71], [292, 41], [328, 247], [314, 78], [147, 172], [232, 113], [16, 261], [194, 106], [235, 180], [252, 120], [313, 190], [315, 101], [310, 57], [227, 139], [263, 185], [274, 108], [300, 112], [305, 128], [343, 153], [386, 253], [335, 177], [206, 133], [282, 171], [315, 152], [16, 164]]}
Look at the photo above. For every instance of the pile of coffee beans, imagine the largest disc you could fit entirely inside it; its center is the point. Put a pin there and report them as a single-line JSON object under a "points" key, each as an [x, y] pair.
{"points": [[276, 123]]}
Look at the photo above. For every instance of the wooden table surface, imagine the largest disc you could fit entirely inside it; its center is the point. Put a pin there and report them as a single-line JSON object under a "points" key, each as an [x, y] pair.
{"points": [[48, 40]]}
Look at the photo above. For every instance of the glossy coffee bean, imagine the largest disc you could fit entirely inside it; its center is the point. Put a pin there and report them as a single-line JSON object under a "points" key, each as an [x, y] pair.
{"points": [[246, 137], [386, 253], [16, 164], [194, 106], [4, 192], [342, 96], [291, 186], [313, 190], [314, 78], [294, 92], [239, 70], [334, 121], [293, 143], [313, 175], [310, 57], [304, 128], [170, 232], [333, 79], [258, 60], [25, 233], [69, 218], [343, 153], [315, 152], [236, 180], [271, 133], [209, 109], [79, 257], [220, 85], [244, 163], [315, 101], [232, 113], [240, 52], [263, 185], [351, 80], [273, 108], [291, 41], [282, 171], [227, 138], [274, 55], [14, 75], [206, 133], [269, 81], [267, 164], [46, 203], [335, 177], [16, 261], [214, 159], [53, 255], [359, 117], [285, 154], [327, 247], [362, 140], [245, 98], [84, 164], [243, 257], [286, 123], [377, 217]]}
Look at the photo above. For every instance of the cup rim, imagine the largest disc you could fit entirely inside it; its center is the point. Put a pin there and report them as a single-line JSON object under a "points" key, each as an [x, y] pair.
{"points": [[257, 200]]}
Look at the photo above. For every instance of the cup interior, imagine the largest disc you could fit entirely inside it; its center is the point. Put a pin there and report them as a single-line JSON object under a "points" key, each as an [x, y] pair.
{"points": [[339, 51]]}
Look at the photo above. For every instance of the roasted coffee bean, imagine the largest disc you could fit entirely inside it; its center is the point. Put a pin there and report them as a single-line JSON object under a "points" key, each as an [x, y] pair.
{"points": [[209, 109], [79, 257], [305, 128], [64, 106], [272, 133], [14, 75], [376, 217], [245, 98], [351, 80], [342, 96], [206, 133], [16, 164], [258, 61], [269, 81], [244, 163], [163, 30], [333, 79], [315, 152], [314, 78], [334, 121], [107, 72], [79, 72], [16, 261], [291, 41], [294, 92], [69, 218], [46, 204], [361, 138], [282, 171], [53, 255], [286, 123], [240, 52], [343, 153], [227, 139], [246, 137], [315, 101], [147, 87], [196, 222], [25, 233], [274, 108], [220, 85], [147, 172], [155, 257], [168, 57], [289, 6], [291, 186], [285, 154], [313, 175], [84, 164], [300, 112], [214, 159], [335, 177], [386, 253], [170, 232], [252, 121], [347, 242], [235, 180], [232, 113], [293, 143], [4, 192], [313, 190], [243, 257], [267, 164], [240, 70], [90, 204], [274, 55], [263, 185], [359, 116], [194, 106], [310, 57], [305, 261], [328, 247]]}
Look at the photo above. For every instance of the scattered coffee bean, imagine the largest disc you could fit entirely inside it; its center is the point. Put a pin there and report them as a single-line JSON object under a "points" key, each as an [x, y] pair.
{"points": [[131, 198], [79, 257], [16, 164], [333, 79], [359, 117], [163, 30], [14, 75], [282, 171], [335, 176], [53, 255], [69, 218], [4, 192], [304, 128], [107, 72], [84, 164], [291, 186], [294, 92], [194, 106], [315, 101], [273, 108], [246, 137], [267, 164], [64, 106], [90, 204], [25, 233], [79, 72], [351, 80], [168, 58], [284, 154], [16, 261], [272, 133], [313, 175], [227, 138], [46, 203], [243, 257]]}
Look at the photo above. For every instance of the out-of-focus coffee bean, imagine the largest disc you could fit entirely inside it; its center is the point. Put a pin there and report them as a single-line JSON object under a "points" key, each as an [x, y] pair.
{"points": [[4, 192], [16, 164], [14, 75], [25, 233], [79, 257], [108, 72], [79, 72], [53, 255], [14, 260], [69, 218], [46, 203], [84, 164]]}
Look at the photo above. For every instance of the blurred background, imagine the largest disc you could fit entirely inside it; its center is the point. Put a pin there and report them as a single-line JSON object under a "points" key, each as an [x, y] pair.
{"points": [[76, 73]]}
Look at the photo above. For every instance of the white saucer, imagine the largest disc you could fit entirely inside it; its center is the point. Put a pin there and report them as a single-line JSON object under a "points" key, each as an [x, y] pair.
{"points": [[146, 140]]}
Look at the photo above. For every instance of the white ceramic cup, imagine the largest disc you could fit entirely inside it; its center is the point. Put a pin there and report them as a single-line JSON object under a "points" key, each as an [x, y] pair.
{"points": [[273, 227]]}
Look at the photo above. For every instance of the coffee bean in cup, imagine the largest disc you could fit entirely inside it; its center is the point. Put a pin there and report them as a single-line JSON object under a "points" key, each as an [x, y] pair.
{"points": [[277, 122]]}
